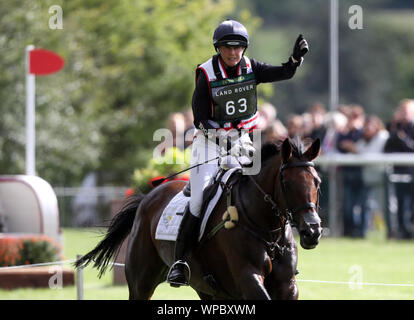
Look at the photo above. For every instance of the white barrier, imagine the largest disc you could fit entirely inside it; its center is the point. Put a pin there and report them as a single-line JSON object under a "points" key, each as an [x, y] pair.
{"points": [[331, 161], [80, 287], [335, 159]]}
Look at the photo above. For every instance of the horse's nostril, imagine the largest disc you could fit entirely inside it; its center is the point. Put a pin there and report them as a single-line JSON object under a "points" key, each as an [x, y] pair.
{"points": [[306, 233], [311, 233]]}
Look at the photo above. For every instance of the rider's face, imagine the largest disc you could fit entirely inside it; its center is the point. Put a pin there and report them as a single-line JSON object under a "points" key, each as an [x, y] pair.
{"points": [[231, 55]]}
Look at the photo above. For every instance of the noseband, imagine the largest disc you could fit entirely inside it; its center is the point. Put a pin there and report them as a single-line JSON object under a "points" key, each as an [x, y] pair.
{"points": [[285, 216]]}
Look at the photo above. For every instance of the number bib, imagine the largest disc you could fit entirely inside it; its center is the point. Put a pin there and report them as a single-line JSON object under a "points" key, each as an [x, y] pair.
{"points": [[234, 99]]}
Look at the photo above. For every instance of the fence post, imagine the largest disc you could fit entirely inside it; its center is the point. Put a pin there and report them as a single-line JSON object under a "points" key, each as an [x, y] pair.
{"points": [[79, 280]]}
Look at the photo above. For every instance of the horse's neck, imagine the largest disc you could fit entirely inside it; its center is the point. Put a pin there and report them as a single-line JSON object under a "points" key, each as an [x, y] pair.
{"points": [[267, 177], [267, 180]]}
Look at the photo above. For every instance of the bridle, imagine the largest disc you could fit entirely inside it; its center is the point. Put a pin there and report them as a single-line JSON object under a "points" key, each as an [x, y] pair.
{"points": [[285, 216], [307, 205], [268, 198]]}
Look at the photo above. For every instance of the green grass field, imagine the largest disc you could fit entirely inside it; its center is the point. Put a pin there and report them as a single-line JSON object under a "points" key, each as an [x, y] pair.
{"points": [[373, 260]]}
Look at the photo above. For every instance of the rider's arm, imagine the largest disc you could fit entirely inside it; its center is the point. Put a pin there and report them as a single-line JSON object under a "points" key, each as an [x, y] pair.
{"points": [[201, 105], [267, 73]]}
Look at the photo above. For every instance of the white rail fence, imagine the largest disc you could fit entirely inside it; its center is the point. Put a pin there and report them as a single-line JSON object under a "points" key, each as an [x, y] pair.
{"points": [[330, 162], [79, 280]]}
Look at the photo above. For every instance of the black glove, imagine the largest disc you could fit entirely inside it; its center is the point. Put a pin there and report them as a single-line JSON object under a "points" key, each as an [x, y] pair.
{"points": [[300, 49]]}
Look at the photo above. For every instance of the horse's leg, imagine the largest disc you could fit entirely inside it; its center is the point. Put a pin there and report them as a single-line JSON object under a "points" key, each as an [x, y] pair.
{"points": [[252, 286], [142, 284], [144, 268], [243, 273], [281, 282], [204, 296], [283, 290]]}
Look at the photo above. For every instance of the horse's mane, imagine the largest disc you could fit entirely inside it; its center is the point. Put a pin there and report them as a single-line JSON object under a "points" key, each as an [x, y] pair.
{"points": [[299, 146]]}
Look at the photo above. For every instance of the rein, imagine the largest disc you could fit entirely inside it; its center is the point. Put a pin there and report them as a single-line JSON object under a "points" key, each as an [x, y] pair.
{"points": [[268, 198], [284, 216]]}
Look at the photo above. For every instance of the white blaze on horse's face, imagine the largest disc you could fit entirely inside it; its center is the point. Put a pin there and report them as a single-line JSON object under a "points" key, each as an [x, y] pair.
{"points": [[300, 184], [310, 230], [309, 227]]}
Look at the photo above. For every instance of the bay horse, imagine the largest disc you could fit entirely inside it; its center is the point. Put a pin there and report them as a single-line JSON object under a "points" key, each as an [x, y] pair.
{"points": [[257, 259]]}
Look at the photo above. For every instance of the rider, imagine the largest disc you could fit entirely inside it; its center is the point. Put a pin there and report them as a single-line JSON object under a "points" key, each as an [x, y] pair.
{"points": [[224, 98]]}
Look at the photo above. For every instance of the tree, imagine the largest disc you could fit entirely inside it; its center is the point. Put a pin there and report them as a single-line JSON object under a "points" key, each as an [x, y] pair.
{"points": [[128, 64], [374, 62]]}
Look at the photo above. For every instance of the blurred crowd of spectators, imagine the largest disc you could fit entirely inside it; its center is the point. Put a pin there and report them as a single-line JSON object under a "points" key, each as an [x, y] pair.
{"points": [[363, 190]]}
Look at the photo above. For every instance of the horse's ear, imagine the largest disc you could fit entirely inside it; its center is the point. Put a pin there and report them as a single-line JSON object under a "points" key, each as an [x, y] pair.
{"points": [[313, 150], [286, 150]]}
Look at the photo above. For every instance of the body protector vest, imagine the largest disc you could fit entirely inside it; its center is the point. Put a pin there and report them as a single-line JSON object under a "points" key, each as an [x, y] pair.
{"points": [[233, 100]]}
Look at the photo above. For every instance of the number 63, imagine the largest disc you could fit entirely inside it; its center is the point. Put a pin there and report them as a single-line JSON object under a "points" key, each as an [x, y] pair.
{"points": [[231, 109]]}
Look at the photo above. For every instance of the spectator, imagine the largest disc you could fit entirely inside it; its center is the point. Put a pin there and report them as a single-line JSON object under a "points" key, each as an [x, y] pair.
{"points": [[336, 123], [86, 202], [402, 140], [352, 196], [267, 114], [295, 126], [275, 132], [318, 113], [372, 142], [307, 125], [345, 110]]}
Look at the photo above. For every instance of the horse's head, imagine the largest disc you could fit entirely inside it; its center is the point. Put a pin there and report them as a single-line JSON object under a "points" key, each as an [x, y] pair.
{"points": [[300, 187]]}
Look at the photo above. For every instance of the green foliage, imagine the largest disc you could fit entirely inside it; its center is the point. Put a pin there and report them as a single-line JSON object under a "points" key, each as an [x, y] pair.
{"points": [[174, 160], [374, 63], [128, 65], [37, 250], [16, 250]]}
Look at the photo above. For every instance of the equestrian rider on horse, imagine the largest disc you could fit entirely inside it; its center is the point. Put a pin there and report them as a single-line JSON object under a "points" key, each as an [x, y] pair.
{"points": [[224, 100]]}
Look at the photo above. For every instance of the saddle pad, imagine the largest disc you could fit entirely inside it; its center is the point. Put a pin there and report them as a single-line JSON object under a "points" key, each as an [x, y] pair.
{"points": [[167, 228]]}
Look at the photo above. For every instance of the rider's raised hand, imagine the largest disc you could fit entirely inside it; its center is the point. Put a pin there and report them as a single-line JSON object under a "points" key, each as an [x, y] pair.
{"points": [[300, 49]]}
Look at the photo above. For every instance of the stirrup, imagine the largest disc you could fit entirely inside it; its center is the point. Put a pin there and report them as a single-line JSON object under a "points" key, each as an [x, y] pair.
{"points": [[177, 284]]}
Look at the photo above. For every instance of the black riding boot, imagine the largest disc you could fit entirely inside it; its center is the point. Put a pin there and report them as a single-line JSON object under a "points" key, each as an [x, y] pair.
{"points": [[186, 239]]}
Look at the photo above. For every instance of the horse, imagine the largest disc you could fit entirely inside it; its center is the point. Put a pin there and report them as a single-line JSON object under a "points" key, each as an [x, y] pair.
{"points": [[257, 259]]}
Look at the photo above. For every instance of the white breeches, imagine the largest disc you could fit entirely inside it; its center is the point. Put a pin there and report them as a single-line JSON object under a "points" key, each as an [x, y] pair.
{"points": [[201, 176]]}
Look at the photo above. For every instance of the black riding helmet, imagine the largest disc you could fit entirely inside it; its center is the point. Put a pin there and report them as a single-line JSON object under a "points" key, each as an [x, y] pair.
{"points": [[231, 33]]}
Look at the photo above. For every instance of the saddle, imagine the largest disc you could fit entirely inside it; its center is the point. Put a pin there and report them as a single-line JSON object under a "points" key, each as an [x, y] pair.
{"points": [[168, 225], [211, 190]]}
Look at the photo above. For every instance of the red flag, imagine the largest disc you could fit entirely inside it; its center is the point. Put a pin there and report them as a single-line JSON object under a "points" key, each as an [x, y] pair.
{"points": [[44, 62]]}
